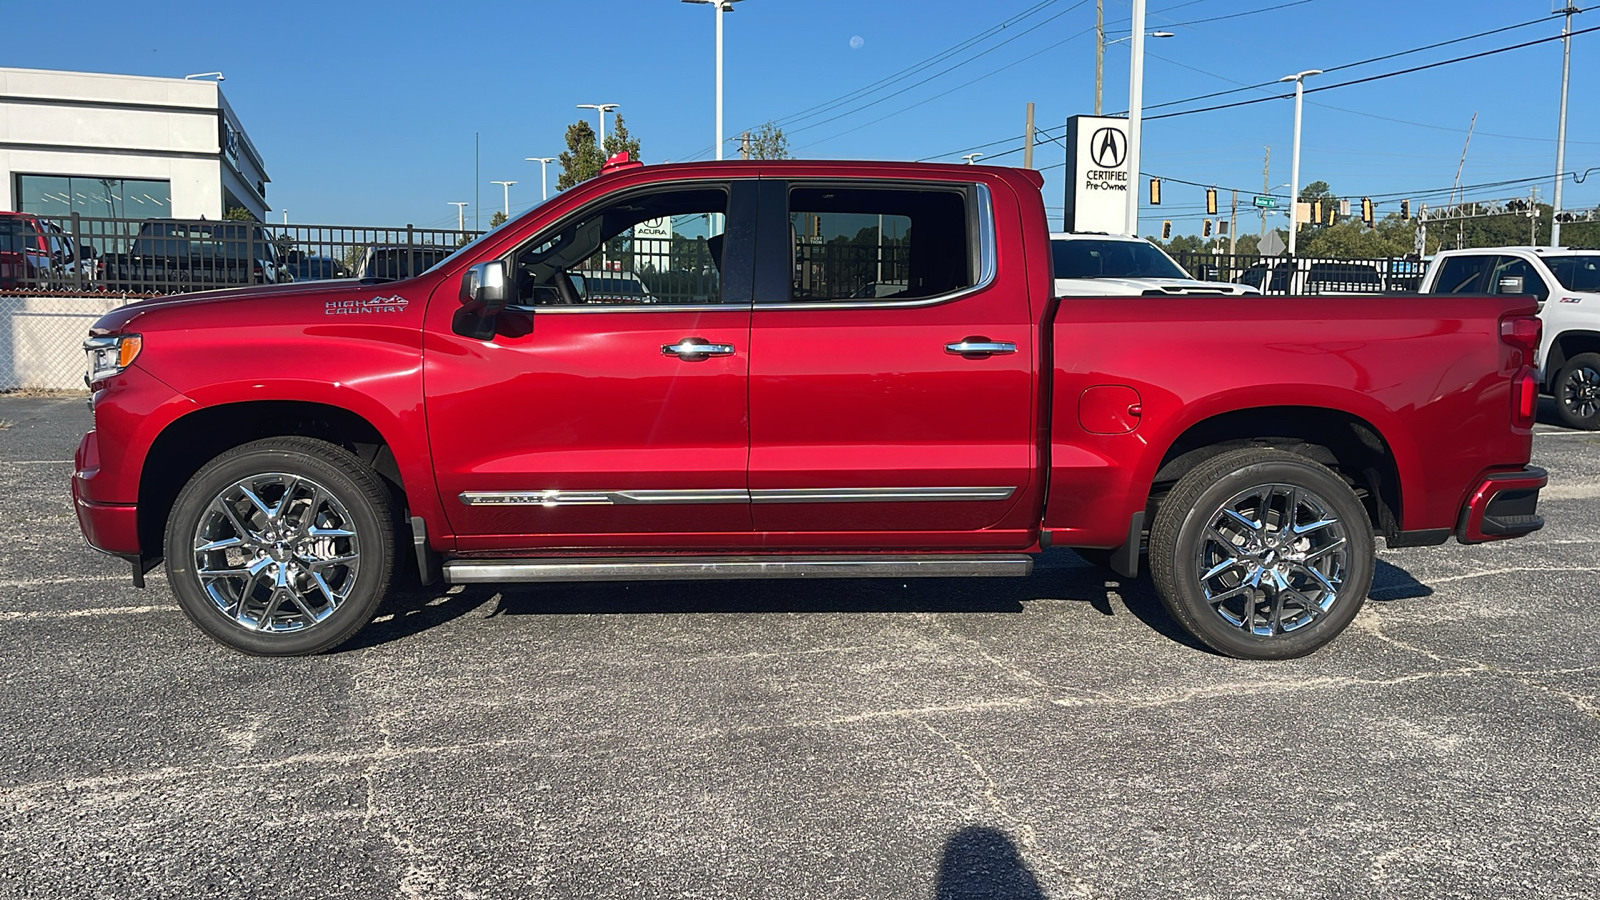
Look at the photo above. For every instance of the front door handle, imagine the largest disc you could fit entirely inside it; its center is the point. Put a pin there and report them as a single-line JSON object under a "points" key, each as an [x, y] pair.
{"points": [[695, 349], [979, 347]]}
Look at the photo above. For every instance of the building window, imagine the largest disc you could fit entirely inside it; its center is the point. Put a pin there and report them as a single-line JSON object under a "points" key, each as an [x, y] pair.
{"points": [[107, 198]]}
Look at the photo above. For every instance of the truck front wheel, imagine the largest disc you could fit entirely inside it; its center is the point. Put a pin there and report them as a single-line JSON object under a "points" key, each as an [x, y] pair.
{"points": [[1262, 554], [1577, 391], [281, 547]]}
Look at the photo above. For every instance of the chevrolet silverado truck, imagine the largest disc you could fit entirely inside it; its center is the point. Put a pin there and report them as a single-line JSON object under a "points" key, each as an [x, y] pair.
{"points": [[291, 450], [1565, 283]]}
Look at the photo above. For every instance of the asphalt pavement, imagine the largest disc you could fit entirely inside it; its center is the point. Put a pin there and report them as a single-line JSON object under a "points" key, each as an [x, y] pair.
{"points": [[1055, 736]]}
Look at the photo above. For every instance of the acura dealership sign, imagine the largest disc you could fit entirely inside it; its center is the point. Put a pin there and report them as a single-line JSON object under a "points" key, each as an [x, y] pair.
{"points": [[1097, 162]]}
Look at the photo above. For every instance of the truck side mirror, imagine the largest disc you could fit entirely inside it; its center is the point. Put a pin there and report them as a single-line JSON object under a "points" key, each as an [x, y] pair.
{"points": [[483, 288], [1511, 284]]}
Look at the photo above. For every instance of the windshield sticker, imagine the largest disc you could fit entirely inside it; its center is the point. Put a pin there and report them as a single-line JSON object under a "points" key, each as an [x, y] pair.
{"points": [[391, 304]]}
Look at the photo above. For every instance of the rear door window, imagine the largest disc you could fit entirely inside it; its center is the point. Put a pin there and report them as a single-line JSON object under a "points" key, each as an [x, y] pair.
{"points": [[871, 243], [1510, 267]]}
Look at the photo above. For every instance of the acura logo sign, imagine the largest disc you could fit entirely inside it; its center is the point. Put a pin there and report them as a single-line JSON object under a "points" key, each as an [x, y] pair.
{"points": [[1108, 147]]}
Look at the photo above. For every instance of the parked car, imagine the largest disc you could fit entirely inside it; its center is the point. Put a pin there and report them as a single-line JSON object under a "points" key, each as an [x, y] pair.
{"points": [[173, 255], [35, 254], [314, 268], [1566, 285], [1116, 265], [396, 261], [485, 424]]}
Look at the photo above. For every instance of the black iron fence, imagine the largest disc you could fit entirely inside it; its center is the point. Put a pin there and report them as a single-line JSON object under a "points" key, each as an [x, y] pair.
{"points": [[44, 256], [1301, 276]]}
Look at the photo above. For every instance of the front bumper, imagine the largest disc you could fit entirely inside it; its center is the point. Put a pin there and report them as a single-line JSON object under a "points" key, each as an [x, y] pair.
{"points": [[109, 527], [1504, 505]]}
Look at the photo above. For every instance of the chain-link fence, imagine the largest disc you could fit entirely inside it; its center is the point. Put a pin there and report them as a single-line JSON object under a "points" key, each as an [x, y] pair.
{"points": [[41, 339]]}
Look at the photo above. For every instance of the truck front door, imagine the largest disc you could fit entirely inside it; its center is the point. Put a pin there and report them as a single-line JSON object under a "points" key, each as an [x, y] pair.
{"points": [[600, 418]]}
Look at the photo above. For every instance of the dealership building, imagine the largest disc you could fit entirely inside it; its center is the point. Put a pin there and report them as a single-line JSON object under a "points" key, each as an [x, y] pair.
{"points": [[123, 146]]}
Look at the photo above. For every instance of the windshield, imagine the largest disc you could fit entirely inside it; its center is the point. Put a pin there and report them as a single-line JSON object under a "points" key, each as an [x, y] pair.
{"points": [[1576, 273], [1111, 259]]}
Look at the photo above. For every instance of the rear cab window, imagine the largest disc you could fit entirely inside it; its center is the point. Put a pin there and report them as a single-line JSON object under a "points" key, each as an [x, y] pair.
{"points": [[879, 243]]}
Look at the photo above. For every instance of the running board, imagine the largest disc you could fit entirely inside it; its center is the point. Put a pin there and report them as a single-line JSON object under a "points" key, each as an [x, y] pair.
{"points": [[695, 568]]}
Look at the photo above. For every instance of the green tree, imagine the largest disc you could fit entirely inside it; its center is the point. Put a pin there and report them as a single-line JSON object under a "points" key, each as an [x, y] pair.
{"points": [[581, 160], [497, 219], [768, 142], [239, 214], [619, 141]]}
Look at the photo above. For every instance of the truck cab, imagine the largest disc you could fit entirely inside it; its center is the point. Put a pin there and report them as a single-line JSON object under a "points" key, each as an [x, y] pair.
{"points": [[1566, 284]]}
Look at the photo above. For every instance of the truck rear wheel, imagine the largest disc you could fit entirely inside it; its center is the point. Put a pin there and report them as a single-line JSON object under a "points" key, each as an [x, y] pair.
{"points": [[1577, 391], [281, 547], [1262, 554]]}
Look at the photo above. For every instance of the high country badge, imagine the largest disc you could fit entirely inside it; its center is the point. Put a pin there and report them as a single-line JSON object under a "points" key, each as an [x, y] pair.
{"points": [[391, 304]]}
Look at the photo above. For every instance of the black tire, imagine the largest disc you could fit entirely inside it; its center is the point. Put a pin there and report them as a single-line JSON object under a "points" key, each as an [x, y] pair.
{"points": [[1577, 392], [1206, 586], [323, 520]]}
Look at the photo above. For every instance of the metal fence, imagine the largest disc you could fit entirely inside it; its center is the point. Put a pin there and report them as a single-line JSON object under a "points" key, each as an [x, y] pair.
{"points": [[1301, 276], [43, 256]]}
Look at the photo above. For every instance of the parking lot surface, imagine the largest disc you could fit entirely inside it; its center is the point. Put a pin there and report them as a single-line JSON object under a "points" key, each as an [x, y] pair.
{"points": [[1055, 736]]}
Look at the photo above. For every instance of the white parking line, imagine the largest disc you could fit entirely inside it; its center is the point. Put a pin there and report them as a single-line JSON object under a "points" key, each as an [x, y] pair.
{"points": [[43, 462], [80, 613]]}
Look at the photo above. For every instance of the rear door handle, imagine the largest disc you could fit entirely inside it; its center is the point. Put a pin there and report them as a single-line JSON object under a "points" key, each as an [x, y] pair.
{"points": [[695, 349], [979, 347]]}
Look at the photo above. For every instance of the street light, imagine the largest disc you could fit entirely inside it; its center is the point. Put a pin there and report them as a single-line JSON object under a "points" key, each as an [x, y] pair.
{"points": [[1100, 52], [721, 7], [1299, 79], [970, 157], [204, 75], [1135, 114], [461, 213], [603, 108], [1561, 127], [544, 182], [507, 185]]}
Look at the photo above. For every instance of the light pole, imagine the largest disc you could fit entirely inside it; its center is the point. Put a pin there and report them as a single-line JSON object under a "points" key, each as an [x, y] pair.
{"points": [[217, 75], [286, 217], [1561, 129], [721, 7], [544, 180], [1135, 114], [507, 185], [461, 213], [1299, 79], [970, 157], [1099, 56], [603, 108]]}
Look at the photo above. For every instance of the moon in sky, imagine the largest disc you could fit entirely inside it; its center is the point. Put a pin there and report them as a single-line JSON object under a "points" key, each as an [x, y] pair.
{"points": [[856, 42]]}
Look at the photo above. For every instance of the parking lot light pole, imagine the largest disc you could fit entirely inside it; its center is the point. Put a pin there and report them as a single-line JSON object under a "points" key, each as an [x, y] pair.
{"points": [[603, 108], [721, 6], [461, 213], [507, 185], [1299, 79], [1135, 114], [544, 179], [1561, 128], [970, 157]]}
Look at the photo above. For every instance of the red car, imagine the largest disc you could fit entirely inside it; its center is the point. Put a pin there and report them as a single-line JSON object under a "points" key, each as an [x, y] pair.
{"points": [[845, 369], [33, 252]]}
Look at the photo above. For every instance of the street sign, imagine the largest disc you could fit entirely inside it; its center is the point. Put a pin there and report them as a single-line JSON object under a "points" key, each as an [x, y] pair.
{"points": [[1271, 245], [1266, 202]]}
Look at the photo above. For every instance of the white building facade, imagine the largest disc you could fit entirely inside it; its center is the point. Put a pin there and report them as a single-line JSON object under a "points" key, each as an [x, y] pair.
{"points": [[122, 146]]}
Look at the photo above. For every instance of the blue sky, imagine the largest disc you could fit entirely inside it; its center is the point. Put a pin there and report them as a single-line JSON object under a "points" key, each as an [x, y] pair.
{"points": [[365, 112]]}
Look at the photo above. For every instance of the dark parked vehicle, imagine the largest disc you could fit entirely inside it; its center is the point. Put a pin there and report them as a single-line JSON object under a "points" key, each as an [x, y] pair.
{"points": [[170, 255], [394, 262], [315, 268]]}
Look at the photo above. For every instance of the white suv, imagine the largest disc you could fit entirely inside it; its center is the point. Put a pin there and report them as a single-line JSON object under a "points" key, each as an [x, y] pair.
{"points": [[1566, 283], [1116, 265]]}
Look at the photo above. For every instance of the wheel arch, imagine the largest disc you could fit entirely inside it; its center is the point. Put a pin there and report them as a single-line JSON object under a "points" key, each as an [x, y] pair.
{"points": [[1565, 346], [190, 441]]}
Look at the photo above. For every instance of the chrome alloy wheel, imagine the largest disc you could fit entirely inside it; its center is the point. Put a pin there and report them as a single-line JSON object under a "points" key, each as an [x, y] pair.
{"points": [[276, 553], [1273, 559], [1580, 393]]}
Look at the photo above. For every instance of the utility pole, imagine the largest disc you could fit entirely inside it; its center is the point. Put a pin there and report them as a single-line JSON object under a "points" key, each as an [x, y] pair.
{"points": [[744, 145], [1233, 227], [1099, 50], [1266, 189], [1027, 140], [1561, 128]]}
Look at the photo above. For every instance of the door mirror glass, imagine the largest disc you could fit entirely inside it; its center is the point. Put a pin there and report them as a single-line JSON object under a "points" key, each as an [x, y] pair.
{"points": [[483, 287]]}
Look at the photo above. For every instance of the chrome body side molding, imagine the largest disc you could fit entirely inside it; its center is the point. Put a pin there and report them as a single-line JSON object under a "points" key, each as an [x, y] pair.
{"points": [[879, 495], [735, 495], [694, 568]]}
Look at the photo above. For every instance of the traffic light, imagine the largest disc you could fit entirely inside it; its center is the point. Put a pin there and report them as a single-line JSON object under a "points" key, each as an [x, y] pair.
{"points": [[1211, 201], [1155, 192], [1316, 212], [1166, 230], [1205, 228], [1366, 210], [1222, 227], [1405, 210]]}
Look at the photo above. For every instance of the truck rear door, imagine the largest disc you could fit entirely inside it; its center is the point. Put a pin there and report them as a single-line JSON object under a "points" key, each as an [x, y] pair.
{"points": [[891, 368]]}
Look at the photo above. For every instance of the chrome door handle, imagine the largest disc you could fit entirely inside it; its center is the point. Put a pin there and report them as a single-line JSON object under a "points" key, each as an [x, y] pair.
{"points": [[979, 347], [694, 349]]}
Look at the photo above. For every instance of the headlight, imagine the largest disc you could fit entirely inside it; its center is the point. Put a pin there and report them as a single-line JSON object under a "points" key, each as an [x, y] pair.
{"points": [[110, 354]]}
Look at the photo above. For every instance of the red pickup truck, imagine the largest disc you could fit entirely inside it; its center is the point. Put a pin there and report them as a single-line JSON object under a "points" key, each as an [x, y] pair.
{"points": [[833, 369]]}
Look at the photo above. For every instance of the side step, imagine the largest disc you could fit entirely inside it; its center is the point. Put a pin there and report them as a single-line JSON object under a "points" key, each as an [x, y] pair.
{"points": [[694, 568]]}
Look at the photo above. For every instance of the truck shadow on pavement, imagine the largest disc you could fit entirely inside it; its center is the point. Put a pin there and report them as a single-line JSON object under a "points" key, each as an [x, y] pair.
{"points": [[1058, 574], [983, 864]]}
